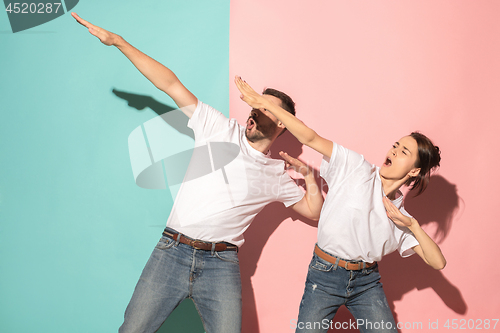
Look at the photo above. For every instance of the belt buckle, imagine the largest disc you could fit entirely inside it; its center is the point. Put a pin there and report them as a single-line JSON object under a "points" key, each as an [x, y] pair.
{"points": [[194, 242], [353, 263]]}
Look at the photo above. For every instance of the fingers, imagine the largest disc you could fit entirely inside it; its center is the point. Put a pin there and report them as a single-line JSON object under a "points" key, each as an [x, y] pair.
{"points": [[384, 200], [242, 85], [290, 162], [80, 20], [295, 163], [388, 204], [92, 28], [287, 157], [239, 84], [389, 208], [393, 212]]}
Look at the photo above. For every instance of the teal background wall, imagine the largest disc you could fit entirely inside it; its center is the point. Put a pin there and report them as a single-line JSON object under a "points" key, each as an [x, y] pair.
{"points": [[75, 230]]}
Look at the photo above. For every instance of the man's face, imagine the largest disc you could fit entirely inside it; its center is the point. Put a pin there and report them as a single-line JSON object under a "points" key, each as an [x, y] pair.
{"points": [[262, 124]]}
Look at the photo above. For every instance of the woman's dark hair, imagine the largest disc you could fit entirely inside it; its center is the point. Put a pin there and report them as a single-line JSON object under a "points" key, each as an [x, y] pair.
{"points": [[428, 159]]}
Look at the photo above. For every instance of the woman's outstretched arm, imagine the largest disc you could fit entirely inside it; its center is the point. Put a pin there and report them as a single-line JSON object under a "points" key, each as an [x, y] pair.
{"points": [[300, 130]]}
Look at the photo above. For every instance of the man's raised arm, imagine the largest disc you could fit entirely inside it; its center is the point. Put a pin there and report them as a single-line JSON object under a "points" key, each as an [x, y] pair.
{"points": [[312, 202], [162, 77]]}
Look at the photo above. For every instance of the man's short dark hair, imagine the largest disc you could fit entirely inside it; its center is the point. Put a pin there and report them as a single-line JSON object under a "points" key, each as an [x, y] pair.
{"points": [[286, 102]]}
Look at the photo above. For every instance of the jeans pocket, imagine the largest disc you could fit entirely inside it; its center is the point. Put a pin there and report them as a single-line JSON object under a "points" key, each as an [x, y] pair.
{"points": [[370, 270], [320, 265], [230, 256], [165, 243]]}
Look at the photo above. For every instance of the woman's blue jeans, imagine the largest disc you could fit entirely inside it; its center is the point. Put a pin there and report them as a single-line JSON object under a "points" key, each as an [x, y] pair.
{"points": [[329, 286], [177, 271]]}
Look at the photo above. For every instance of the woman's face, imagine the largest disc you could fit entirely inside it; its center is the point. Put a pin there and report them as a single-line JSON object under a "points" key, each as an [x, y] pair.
{"points": [[400, 160]]}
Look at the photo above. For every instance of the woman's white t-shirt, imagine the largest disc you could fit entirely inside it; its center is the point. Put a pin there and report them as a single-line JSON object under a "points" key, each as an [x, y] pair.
{"points": [[353, 223]]}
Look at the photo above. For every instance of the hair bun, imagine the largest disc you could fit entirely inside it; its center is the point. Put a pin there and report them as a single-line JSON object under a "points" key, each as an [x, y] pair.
{"points": [[436, 157]]}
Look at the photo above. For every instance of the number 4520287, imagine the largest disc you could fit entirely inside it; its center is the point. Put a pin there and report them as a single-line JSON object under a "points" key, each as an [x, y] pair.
{"points": [[32, 8], [471, 324]]}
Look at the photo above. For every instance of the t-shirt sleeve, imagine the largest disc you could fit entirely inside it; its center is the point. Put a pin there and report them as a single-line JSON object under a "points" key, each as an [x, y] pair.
{"points": [[406, 239], [289, 192], [342, 162], [207, 121]]}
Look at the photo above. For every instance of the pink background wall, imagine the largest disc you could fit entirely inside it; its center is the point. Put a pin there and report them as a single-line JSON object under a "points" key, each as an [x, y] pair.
{"points": [[365, 73]]}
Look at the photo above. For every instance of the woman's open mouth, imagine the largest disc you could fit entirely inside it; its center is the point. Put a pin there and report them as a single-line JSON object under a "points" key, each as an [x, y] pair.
{"points": [[387, 162]]}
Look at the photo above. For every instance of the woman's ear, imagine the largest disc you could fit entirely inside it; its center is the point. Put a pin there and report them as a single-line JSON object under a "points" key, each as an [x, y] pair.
{"points": [[414, 172]]}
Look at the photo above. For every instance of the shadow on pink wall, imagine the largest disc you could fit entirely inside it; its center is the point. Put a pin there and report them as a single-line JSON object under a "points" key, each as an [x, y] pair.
{"points": [[436, 207], [257, 235]]}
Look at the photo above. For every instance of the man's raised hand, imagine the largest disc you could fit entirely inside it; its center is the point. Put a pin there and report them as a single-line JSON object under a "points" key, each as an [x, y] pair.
{"points": [[106, 37], [296, 164]]}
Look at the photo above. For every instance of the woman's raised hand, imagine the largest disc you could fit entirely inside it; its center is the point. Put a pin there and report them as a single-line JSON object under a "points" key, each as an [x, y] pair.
{"points": [[248, 95]]}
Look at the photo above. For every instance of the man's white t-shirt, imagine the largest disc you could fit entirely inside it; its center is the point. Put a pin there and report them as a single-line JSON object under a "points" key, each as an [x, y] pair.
{"points": [[354, 223], [227, 182]]}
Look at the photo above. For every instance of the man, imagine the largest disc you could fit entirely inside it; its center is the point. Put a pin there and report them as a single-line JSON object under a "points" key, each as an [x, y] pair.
{"points": [[197, 254]]}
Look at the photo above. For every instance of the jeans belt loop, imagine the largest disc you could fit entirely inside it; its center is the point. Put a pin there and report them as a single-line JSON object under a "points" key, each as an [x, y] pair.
{"points": [[336, 264], [213, 249], [178, 240]]}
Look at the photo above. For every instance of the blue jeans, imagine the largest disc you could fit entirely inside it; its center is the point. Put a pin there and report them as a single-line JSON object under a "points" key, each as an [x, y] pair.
{"points": [[329, 286], [177, 271]]}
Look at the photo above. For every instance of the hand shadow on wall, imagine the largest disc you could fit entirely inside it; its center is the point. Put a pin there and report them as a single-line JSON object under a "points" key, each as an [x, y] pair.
{"points": [[437, 206], [177, 119], [262, 227]]}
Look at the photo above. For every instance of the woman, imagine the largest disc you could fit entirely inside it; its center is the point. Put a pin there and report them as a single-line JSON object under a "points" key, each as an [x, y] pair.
{"points": [[362, 220]]}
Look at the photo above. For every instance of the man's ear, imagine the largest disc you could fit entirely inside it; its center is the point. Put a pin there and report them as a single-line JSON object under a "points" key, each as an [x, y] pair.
{"points": [[414, 172], [282, 127]]}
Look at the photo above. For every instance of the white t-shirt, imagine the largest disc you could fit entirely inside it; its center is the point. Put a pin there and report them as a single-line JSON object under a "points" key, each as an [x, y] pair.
{"points": [[354, 223], [227, 182]]}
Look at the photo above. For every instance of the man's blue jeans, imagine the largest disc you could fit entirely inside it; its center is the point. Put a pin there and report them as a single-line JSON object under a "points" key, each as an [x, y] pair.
{"points": [[176, 271], [329, 286]]}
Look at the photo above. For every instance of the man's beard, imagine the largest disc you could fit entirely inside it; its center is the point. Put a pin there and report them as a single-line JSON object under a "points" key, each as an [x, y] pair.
{"points": [[260, 132]]}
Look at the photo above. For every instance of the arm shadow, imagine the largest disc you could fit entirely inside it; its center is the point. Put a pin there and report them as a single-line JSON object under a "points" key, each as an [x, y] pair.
{"points": [[171, 115], [438, 207], [257, 235]]}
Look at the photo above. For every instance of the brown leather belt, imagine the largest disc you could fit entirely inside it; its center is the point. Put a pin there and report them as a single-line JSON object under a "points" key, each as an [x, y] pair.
{"points": [[349, 265], [200, 245]]}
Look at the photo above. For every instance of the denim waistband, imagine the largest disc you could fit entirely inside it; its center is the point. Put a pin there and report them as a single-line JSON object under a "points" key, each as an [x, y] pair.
{"points": [[352, 265], [173, 231]]}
